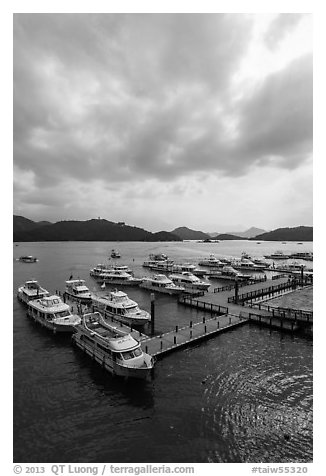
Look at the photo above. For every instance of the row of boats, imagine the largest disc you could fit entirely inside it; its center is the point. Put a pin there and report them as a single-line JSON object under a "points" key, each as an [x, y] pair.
{"points": [[114, 348]]}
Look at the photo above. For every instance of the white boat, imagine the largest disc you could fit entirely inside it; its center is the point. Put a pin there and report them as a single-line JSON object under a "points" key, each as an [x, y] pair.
{"points": [[179, 268], [212, 261], [228, 272], [277, 255], [162, 284], [31, 290], [99, 269], [77, 290], [189, 280], [159, 262], [117, 351], [102, 268], [261, 262], [304, 255], [52, 313], [114, 276], [289, 267], [119, 306], [246, 264], [28, 259], [115, 254]]}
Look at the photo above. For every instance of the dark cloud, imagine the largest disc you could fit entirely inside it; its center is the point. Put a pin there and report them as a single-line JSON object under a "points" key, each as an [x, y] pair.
{"points": [[276, 121], [121, 98]]}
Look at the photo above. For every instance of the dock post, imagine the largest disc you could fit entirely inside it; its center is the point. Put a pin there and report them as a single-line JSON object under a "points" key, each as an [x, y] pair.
{"points": [[152, 313], [176, 328], [302, 275], [236, 290], [190, 323], [174, 340]]}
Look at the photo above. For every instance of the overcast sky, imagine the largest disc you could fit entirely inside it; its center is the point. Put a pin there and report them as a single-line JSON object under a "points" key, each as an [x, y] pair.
{"points": [[164, 120]]}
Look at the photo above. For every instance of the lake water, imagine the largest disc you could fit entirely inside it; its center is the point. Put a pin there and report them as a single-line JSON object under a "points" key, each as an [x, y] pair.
{"points": [[243, 396]]}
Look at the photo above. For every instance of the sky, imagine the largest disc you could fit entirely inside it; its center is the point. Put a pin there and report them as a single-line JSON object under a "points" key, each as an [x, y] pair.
{"points": [[164, 120]]}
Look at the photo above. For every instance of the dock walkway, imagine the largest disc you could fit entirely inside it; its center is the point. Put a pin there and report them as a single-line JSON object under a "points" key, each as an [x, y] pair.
{"points": [[161, 345]]}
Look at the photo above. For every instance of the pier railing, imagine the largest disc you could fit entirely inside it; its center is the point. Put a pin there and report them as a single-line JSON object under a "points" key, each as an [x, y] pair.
{"points": [[258, 293], [229, 287], [284, 312], [203, 305]]}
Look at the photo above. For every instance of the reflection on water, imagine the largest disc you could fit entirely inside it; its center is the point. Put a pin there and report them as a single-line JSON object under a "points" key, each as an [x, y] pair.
{"points": [[244, 396]]}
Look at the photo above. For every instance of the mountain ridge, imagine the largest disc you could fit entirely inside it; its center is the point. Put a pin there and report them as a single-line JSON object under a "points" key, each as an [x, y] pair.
{"points": [[89, 230]]}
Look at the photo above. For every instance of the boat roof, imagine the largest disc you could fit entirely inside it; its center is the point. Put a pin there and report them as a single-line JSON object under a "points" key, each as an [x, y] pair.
{"points": [[118, 340], [118, 298], [49, 304], [82, 288], [75, 281]]}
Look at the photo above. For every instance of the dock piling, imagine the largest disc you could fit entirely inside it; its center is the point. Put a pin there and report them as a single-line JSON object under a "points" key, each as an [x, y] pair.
{"points": [[152, 313]]}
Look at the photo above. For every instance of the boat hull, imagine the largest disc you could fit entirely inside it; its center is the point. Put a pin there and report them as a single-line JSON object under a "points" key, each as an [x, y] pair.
{"points": [[165, 290], [129, 321], [127, 282], [114, 368], [52, 326], [80, 299]]}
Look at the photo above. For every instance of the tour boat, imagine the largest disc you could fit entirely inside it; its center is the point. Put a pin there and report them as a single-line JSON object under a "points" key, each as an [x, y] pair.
{"points": [[228, 272], [77, 290], [162, 284], [277, 255], [114, 276], [189, 280], [99, 269], [28, 259], [52, 313], [102, 268], [246, 264], [159, 262], [119, 306], [261, 262], [304, 255], [115, 254], [212, 261], [191, 268], [116, 350], [31, 290]]}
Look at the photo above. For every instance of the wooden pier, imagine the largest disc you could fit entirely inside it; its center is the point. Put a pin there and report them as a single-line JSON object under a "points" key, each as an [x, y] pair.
{"points": [[227, 312], [161, 345]]}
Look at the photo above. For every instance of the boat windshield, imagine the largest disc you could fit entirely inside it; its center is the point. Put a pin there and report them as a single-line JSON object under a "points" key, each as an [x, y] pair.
{"points": [[62, 314], [131, 354]]}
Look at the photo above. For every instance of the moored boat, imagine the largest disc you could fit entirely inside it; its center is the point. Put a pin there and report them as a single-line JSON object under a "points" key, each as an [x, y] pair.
{"points": [[119, 306], [115, 254], [229, 273], [114, 276], [277, 255], [159, 262], [162, 284], [304, 255], [116, 350], [76, 289], [246, 264], [212, 261], [189, 280], [52, 313], [31, 290]]}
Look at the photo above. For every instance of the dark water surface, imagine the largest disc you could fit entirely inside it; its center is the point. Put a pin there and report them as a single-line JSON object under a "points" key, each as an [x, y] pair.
{"points": [[244, 396]]}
